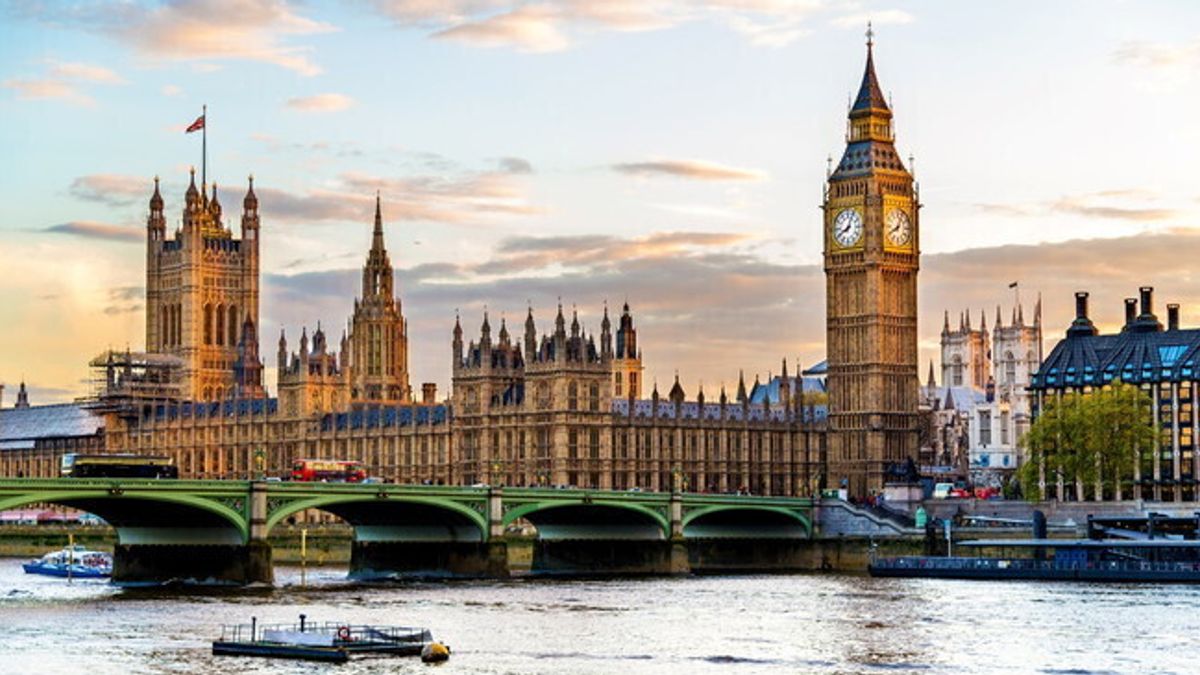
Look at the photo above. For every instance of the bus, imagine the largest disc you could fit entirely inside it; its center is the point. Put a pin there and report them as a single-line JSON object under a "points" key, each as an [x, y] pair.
{"points": [[126, 465], [329, 471]]}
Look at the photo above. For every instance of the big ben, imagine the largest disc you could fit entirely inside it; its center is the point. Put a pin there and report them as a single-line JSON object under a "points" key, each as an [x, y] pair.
{"points": [[872, 254]]}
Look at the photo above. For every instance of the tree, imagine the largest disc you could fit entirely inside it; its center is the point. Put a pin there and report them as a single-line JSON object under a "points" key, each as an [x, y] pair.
{"points": [[1091, 440]]}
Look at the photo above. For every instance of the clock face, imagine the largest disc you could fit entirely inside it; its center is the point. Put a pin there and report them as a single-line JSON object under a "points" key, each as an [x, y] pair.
{"points": [[847, 227], [898, 228]]}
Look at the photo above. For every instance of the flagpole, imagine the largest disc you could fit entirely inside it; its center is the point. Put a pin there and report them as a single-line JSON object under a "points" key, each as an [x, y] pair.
{"points": [[204, 148]]}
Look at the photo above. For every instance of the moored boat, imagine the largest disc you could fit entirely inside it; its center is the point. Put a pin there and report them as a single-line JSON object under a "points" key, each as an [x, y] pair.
{"points": [[331, 641], [77, 562], [1156, 549]]}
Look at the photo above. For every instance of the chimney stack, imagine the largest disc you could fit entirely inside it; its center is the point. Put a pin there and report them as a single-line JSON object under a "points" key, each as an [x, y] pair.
{"points": [[1147, 293], [1173, 316], [1130, 311], [429, 393], [1082, 325]]}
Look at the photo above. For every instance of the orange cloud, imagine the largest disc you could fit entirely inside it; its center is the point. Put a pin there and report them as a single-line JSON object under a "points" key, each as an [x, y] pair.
{"points": [[693, 169]]}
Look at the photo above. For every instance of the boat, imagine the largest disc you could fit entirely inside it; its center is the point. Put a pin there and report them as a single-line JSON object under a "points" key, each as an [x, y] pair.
{"points": [[334, 642], [77, 562], [1155, 549]]}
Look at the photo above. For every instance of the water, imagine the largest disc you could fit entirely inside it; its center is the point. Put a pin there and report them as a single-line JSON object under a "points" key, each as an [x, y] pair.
{"points": [[749, 624]]}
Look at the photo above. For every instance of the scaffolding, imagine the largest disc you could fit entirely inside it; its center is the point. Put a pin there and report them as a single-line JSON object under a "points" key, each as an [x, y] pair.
{"points": [[132, 383]]}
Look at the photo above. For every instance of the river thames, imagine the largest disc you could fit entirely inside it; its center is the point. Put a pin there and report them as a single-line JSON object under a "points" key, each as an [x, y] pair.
{"points": [[748, 624]]}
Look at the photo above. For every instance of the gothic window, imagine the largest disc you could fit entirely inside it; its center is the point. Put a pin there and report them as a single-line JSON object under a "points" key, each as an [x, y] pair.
{"points": [[1010, 368], [594, 397], [208, 324], [985, 428], [573, 396], [572, 444], [594, 444], [220, 331], [617, 385], [956, 371], [633, 383], [233, 325]]}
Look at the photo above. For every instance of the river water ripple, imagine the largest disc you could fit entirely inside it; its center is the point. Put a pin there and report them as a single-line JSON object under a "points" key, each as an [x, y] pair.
{"points": [[745, 624]]}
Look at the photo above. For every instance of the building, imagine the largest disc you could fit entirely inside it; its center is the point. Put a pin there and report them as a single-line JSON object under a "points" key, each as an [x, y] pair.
{"points": [[983, 405], [202, 295], [1162, 363], [549, 407], [872, 255]]}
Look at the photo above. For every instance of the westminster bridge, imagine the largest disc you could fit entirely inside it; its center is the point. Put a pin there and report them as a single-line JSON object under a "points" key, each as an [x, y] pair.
{"points": [[215, 531]]}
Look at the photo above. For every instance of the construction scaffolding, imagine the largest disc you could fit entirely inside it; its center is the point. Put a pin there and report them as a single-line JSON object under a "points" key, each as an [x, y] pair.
{"points": [[132, 383]]}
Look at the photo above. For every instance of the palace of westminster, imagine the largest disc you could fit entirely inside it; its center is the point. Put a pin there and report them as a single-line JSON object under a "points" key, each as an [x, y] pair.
{"points": [[553, 408], [557, 408]]}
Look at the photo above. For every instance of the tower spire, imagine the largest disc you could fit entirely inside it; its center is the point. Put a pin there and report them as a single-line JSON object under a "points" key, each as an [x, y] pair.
{"points": [[377, 235]]}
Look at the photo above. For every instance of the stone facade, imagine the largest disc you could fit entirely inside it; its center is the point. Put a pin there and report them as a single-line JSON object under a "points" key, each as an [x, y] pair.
{"points": [[872, 254], [202, 295]]}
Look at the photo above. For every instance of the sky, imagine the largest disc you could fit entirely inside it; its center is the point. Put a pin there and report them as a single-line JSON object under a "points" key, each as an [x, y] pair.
{"points": [[668, 153]]}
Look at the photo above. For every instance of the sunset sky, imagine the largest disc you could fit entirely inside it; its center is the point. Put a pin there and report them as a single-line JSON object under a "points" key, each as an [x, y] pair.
{"points": [[667, 152]]}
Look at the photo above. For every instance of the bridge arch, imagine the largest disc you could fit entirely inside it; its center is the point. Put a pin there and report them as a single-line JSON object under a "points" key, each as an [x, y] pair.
{"points": [[746, 521], [394, 517], [143, 518], [586, 519]]}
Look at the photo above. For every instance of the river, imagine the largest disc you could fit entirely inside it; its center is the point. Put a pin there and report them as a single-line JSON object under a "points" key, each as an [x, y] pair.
{"points": [[743, 624]]}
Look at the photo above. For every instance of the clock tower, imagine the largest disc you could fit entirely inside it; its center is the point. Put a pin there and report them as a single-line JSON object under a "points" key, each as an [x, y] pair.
{"points": [[872, 254]]}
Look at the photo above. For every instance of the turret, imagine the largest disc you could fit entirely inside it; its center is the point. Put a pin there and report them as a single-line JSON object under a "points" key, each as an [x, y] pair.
{"points": [[530, 337], [156, 223], [250, 222], [22, 396], [458, 342], [606, 347], [282, 354], [741, 390]]}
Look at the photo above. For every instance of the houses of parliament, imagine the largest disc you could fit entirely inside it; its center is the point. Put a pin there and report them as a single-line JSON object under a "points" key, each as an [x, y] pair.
{"points": [[534, 405]]}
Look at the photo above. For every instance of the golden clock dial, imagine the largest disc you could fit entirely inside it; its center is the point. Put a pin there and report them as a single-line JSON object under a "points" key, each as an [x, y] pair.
{"points": [[898, 228]]}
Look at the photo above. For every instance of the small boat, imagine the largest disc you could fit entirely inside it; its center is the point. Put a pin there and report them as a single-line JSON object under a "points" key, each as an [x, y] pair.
{"points": [[72, 561], [332, 642]]}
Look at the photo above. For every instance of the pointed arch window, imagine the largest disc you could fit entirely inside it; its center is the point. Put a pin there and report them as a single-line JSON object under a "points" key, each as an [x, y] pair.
{"points": [[208, 324], [233, 325], [220, 331]]}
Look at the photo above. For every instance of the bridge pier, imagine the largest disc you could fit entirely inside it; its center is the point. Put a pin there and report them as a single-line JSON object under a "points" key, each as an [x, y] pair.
{"points": [[192, 564]]}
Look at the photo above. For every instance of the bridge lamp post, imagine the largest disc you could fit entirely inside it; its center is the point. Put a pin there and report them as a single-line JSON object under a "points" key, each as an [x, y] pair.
{"points": [[260, 464]]}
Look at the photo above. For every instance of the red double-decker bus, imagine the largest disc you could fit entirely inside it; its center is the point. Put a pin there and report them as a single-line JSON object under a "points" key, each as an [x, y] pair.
{"points": [[328, 471]]}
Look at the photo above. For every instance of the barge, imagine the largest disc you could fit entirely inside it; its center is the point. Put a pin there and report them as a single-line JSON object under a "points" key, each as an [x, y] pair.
{"points": [[1154, 549], [335, 642]]}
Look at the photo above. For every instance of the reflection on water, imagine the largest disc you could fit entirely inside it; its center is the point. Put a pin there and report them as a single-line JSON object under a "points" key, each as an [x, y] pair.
{"points": [[752, 624]]}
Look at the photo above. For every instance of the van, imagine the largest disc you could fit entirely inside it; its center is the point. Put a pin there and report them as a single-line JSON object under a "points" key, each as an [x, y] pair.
{"points": [[942, 490]]}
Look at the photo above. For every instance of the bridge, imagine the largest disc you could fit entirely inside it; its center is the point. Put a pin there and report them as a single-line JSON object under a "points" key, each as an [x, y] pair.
{"points": [[215, 532]]}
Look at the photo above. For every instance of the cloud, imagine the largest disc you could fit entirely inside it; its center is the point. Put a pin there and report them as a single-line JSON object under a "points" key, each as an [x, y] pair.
{"points": [[91, 229], [125, 300], [1156, 55], [554, 25], [111, 189], [172, 90], [1104, 204], [514, 165], [64, 81], [532, 28], [85, 72], [464, 197], [707, 306], [189, 30], [693, 169], [321, 103]]}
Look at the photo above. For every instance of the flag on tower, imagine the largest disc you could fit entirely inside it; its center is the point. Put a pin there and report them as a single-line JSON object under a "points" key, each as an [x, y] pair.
{"points": [[197, 125]]}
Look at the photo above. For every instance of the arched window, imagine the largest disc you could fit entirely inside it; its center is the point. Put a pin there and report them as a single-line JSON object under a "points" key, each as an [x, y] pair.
{"points": [[617, 391], [220, 325], [956, 371], [163, 322], [594, 397], [208, 325], [1010, 368], [573, 396], [233, 325]]}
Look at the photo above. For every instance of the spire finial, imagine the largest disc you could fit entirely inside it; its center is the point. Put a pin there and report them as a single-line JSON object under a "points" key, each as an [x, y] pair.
{"points": [[870, 36]]}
